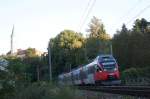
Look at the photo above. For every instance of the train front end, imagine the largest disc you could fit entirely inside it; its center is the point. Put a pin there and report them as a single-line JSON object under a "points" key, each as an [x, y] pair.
{"points": [[108, 72]]}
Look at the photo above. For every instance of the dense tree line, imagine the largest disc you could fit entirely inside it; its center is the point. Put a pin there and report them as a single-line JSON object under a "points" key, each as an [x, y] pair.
{"points": [[132, 46]]}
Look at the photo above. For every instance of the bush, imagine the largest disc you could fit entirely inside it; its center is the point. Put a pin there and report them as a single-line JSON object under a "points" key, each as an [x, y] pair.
{"points": [[130, 73], [43, 90], [135, 74]]}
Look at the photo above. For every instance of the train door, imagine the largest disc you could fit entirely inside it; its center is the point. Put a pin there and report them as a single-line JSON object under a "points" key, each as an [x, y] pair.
{"points": [[81, 76], [84, 75], [91, 71], [99, 74]]}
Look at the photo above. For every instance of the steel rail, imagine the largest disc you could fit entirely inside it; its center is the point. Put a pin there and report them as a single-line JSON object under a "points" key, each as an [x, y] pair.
{"points": [[141, 91]]}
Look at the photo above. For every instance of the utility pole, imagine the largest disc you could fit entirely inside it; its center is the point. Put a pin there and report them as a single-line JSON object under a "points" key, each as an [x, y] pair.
{"points": [[49, 57], [38, 72], [11, 43]]}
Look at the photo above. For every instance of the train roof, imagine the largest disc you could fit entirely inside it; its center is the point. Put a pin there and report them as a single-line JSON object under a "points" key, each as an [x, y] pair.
{"points": [[105, 55], [79, 67]]}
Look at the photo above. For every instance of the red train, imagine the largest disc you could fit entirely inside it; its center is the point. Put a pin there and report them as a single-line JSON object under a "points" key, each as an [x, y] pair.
{"points": [[102, 70]]}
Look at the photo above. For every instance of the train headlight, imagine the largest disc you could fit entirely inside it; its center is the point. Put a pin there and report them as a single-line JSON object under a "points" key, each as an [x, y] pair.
{"points": [[115, 69]]}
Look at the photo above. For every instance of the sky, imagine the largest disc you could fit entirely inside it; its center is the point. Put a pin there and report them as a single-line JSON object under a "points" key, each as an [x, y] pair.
{"points": [[36, 21]]}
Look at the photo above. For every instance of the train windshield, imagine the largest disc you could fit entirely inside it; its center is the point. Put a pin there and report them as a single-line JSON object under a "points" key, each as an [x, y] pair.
{"points": [[108, 63], [106, 59], [109, 67]]}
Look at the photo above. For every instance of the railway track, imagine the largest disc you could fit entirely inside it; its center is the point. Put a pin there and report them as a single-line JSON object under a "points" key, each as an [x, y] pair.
{"points": [[140, 91]]}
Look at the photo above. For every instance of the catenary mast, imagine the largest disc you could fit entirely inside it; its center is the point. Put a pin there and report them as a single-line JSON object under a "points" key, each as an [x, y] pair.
{"points": [[12, 34]]}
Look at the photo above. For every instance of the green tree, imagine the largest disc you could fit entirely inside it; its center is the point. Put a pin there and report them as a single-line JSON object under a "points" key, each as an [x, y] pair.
{"points": [[140, 25], [121, 46], [98, 41], [140, 43], [31, 52], [97, 30], [67, 51], [131, 47]]}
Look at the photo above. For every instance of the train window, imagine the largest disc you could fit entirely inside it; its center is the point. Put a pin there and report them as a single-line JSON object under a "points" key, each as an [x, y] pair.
{"points": [[97, 68], [84, 74], [91, 69], [74, 77], [106, 59], [77, 76], [81, 74]]}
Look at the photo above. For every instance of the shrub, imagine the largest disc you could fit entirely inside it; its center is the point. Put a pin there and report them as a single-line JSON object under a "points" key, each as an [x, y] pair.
{"points": [[43, 90]]}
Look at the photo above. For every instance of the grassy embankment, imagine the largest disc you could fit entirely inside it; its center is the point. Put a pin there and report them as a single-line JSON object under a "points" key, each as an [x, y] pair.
{"points": [[39, 90]]}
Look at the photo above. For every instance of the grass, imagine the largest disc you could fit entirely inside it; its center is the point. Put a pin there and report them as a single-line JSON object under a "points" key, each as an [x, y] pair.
{"points": [[42, 90]]}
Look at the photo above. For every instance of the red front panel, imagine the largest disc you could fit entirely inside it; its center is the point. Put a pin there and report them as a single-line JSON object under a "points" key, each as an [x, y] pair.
{"points": [[103, 75]]}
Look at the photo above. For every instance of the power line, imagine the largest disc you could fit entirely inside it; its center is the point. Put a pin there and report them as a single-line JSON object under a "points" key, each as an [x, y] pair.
{"points": [[85, 10], [142, 11], [88, 12], [90, 9], [130, 10], [124, 16]]}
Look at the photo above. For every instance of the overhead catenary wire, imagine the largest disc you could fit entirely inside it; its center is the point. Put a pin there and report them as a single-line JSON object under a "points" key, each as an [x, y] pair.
{"points": [[142, 11], [83, 15], [129, 11], [88, 12]]}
